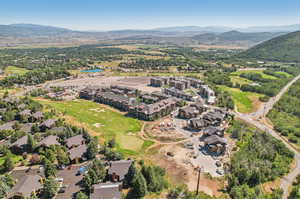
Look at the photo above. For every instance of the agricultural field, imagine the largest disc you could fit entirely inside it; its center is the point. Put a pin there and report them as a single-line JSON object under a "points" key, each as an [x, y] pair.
{"points": [[245, 102], [103, 122]]}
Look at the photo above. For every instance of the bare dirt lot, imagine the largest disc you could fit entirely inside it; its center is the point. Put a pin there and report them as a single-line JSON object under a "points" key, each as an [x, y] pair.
{"points": [[140, 83], [181, 171], [164, 130]]}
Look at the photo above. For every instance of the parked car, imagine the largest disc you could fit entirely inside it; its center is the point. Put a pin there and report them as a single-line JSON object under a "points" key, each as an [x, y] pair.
{"points": [[81, 170]]}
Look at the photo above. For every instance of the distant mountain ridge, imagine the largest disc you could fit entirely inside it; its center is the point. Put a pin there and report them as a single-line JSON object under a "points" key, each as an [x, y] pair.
{"points": [[26, 34], [283, 48], [220, 29], [234, 37], [31, 29]]}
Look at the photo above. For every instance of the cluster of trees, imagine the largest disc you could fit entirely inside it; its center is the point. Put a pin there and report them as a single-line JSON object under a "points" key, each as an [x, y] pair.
{"points": [[183, 193], [286, 114], [260, 158], [218, 77], [151, 64], [96, 174], [34, 77], [145, 179], [295, 193], [6, 183], [269, 87]]}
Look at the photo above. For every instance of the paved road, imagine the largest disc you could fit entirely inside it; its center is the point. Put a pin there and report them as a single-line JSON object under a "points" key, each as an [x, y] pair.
{"points": [[252, 118]]}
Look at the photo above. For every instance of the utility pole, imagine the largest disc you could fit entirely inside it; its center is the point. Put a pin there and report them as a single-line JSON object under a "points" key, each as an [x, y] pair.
{"points": [[199, 175]]}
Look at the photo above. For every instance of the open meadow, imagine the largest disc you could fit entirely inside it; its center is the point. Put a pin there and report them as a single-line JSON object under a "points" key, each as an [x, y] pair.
{"points": [[104, 122]]}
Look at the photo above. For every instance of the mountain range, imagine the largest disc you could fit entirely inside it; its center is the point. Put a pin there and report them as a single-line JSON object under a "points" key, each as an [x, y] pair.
{"points": [[26, 34]]}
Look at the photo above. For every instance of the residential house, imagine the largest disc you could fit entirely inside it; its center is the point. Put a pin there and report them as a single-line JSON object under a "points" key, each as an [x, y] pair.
{"points": [[77, 154], [75, 141], [26, 186], [49, 141], [118, 170], [215, 144], [20, 145], [196, 124], [8, 126], [37, 116], [188, 112], [48, 124], [106, 191], [212, 130]]}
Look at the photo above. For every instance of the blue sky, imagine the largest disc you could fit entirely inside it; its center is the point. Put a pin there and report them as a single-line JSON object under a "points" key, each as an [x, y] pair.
{"points": [[144, 14]]}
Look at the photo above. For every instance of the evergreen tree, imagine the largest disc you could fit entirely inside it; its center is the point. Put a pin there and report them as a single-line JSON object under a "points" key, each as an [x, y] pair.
{"points": [[50, 168], [81, 195], [139, 186], [62, 157], [8, 164], [50, 188], [92, 149], [31, 144], [130, 175]]}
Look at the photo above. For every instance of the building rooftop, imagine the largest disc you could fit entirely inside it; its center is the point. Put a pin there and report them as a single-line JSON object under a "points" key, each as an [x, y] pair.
{"points": [[26, 185], [119, 168], [106, 191], [75, 140]]}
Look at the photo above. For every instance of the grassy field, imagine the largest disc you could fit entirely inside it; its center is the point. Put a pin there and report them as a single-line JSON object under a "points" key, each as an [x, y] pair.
{"points": [[246, 102], [10, 70], [255, 71], [103, 122], [239, 80]]}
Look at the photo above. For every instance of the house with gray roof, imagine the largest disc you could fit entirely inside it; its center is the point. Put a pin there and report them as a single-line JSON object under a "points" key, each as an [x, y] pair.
{"points": [[215, 144], [118, 169], [38, 115], [78, 153], [20, 145], [106, 191], [47, 124], [75, 141], [49, 141], [8, 126], [26, 186]]}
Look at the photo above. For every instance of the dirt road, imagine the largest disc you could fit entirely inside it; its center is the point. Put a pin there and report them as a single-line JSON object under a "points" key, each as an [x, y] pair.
{"points": [[261, 113]]}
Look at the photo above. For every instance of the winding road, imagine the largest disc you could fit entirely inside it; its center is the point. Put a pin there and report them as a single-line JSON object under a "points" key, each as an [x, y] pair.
{"points": [[255, 120]]}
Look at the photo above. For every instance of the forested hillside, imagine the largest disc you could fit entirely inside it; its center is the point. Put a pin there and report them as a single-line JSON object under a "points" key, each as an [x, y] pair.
{"points": [[283, 48]]}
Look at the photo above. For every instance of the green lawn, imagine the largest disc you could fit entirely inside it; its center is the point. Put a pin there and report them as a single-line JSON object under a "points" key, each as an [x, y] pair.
{"points": [[244, 101], [103, 122], [10, 70], [254, 71]]}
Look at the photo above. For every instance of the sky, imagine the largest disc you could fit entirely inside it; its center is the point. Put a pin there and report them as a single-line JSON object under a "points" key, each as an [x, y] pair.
{"points": [[147, 14]]}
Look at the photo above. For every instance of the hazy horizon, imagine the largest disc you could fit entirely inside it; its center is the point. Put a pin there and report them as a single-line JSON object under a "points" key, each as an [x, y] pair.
{"points": [[119, 15]]}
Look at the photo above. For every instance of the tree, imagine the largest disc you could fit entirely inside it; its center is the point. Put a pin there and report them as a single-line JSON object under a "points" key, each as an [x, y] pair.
{"points": [[62, 157], [112, 143], [6, 183], [50, 168], [139, 186], [31, 144], [130, 175], [81, 195], [92, 149], [8, 164], [50, 188]]}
